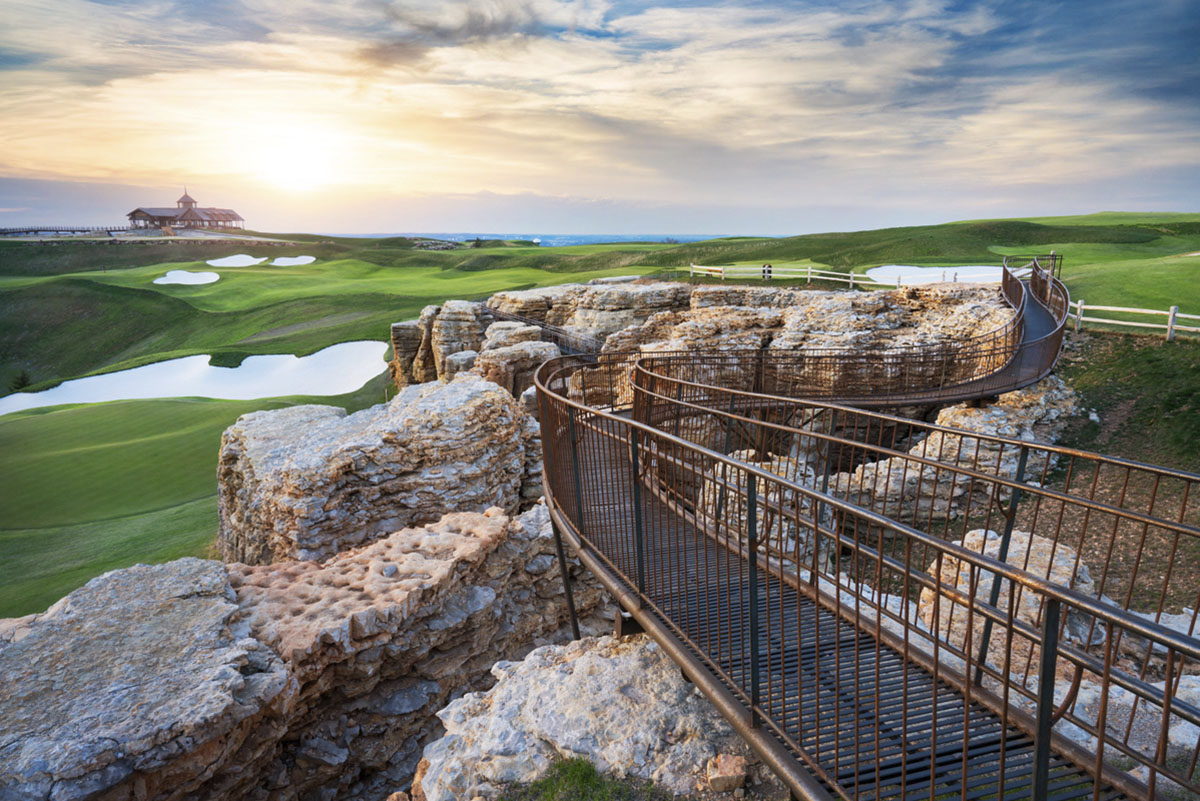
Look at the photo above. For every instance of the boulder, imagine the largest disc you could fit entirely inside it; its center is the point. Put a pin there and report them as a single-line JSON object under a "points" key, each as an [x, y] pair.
{"points": [[308, 482], [534, 304], [406, 341], [195, 679], [143, 676], [599, 310], [504, 333], [459, 362], [948, 619], [512, 367], [457, 327], [621, 704]]}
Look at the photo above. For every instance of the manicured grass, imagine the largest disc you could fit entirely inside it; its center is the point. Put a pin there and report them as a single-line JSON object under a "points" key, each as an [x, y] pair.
{"points": [[96, 487]]}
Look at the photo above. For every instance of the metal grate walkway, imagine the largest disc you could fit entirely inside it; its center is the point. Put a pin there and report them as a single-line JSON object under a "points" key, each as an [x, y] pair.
{"points": [[876, 724]]}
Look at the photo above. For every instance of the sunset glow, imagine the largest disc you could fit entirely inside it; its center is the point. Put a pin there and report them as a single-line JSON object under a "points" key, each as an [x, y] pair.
{"points": [[896, 110]]}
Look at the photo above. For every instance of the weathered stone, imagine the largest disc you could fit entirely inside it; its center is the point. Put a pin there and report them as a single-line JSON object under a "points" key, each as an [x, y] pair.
{"points": [[289, 680], [620, 704], [512, 367], [456, 328], [459, 362], [950, 621], [423, 366], [505, 333], [406, 341], [532, 303], [143, 676], [599, 310], [726, 772], [308, 482], [903, 487]]}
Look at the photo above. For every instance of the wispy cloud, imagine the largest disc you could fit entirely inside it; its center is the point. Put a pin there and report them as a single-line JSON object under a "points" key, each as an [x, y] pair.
{"points": [[674, 103]]}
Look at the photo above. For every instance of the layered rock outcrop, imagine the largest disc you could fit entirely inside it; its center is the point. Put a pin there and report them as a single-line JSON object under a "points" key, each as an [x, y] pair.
{"points": [[619, 703], [902, 486], [308, 482], [512, 367], [196, 679], [505, 332]]}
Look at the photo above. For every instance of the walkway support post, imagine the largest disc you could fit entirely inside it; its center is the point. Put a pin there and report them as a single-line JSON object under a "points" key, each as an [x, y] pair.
{"points": [[1045, 703], [1010, 522], [752, 542], [566, 577], [639, 541]]}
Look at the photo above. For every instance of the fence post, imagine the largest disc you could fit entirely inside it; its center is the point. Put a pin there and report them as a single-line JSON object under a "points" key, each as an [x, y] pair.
{"points": [[1171, 323], [638, 533], [1045, 702], [1078, 315], [722, 272], [752, 535], [852, 279], [1005, 541], [809, 281]]}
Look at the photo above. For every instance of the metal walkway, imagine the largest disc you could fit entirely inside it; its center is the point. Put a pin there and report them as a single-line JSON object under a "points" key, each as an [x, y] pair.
{"points": [[910, 735], [842, 624]]}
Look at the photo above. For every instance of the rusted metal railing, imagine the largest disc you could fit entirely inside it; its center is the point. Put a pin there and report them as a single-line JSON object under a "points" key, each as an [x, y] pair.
{"points": [[887, 608]]}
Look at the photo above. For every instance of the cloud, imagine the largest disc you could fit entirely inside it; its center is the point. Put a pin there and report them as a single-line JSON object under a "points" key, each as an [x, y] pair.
{"points": [[673, 103]]}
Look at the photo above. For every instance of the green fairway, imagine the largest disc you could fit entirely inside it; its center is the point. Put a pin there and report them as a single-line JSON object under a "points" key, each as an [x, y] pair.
{"points": [[92, 488]]}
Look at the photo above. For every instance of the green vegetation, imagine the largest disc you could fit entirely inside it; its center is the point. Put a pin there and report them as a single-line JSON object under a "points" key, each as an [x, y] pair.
{"points": [[92, 488], [95, 487], [578, 780]]}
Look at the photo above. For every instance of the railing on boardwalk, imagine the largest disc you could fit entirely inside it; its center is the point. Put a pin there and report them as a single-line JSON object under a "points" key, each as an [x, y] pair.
{"points": [[1089, 671]]}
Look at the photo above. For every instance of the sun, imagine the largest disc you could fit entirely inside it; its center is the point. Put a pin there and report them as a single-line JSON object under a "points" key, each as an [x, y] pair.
{"points": [[301, 162]]}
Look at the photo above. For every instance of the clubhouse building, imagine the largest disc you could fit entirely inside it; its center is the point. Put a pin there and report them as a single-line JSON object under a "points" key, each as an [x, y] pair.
{"points": [[186, 214]]}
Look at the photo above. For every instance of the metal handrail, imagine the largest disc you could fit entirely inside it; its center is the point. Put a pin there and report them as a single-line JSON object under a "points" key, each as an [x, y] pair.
{"points": [[671, 470]]}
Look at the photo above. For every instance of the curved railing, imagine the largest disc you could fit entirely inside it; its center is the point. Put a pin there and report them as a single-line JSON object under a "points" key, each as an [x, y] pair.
{"points": [[890, 647]]}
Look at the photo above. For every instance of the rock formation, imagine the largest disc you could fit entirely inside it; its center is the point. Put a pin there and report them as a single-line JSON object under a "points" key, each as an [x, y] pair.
{"points": [[619, 703], [504, 333], [904, 486], [406, 341], [292, 680], [457, 327], [512, 367], [949, 619], [308, 482]]}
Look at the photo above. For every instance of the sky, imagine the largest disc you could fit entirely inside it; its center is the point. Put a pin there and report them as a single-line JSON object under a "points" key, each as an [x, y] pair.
{"points": [[588, 116]]}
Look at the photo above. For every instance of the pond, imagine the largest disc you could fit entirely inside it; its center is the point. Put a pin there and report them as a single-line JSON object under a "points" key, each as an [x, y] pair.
{"points": [[910, 274], [335, 370]]}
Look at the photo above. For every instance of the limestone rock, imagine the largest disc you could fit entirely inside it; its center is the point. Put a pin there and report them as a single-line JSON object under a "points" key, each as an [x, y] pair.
{"points": [[512, 367], [423, 367], [457, 327], [726, 772], [1043, 557], [903, 487], [620, 704], [143, 675], [504, 333], [459, 362], [406, 341], [532, 303], [289, 680], [599, 310], [308, 482]]}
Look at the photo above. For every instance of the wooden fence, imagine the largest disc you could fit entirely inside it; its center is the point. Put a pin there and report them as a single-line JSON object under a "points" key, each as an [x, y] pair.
{"points": [[1079, 310], [808, 273]]}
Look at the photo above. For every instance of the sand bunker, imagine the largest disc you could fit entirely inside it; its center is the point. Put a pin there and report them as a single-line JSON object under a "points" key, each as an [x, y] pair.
{"points": [[909, 274], [293, 261], [332, 371], [240, 260], [187, 277]]}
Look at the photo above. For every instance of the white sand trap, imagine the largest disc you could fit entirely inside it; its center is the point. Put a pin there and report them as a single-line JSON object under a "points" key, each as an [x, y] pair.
{"points": [[240, 260], [909, 274], [187, 277], [332, 371], [293, 261]]}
